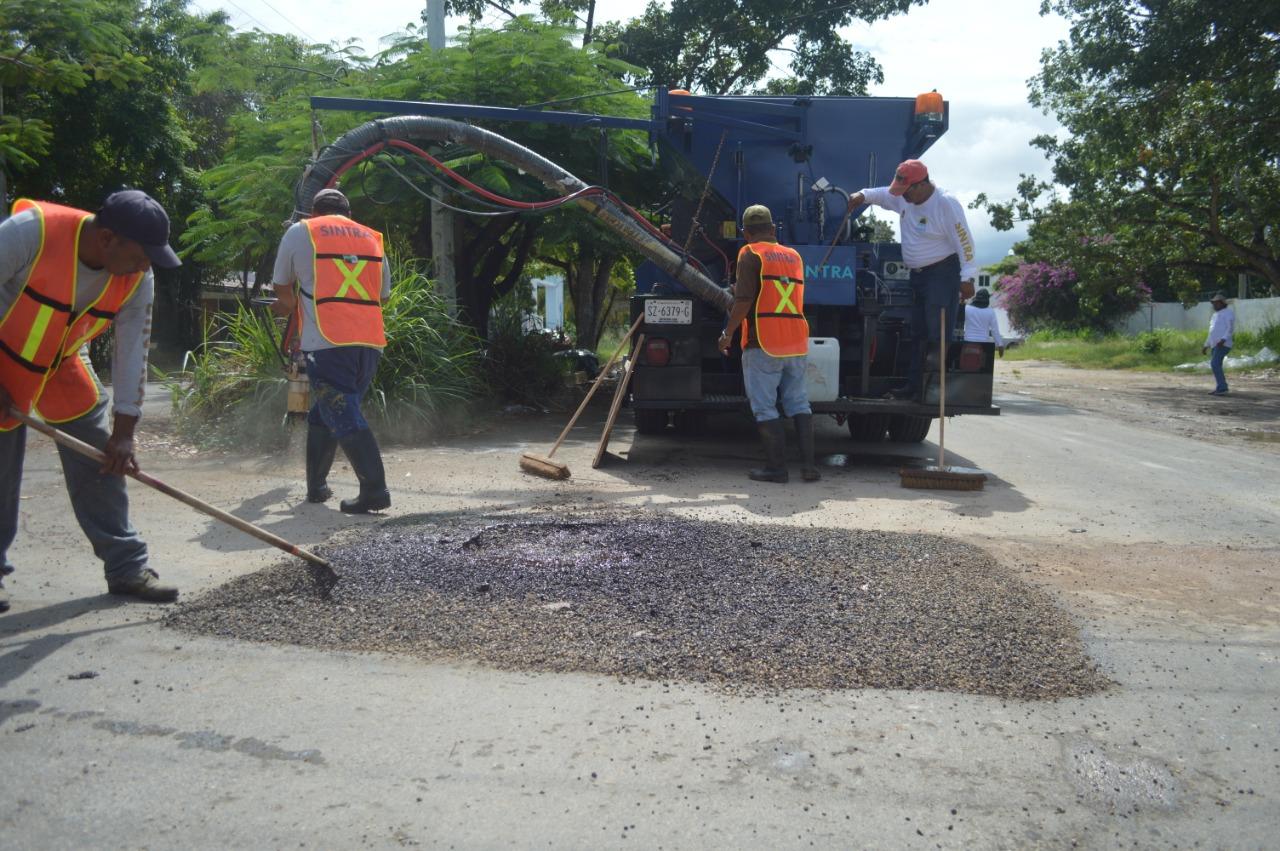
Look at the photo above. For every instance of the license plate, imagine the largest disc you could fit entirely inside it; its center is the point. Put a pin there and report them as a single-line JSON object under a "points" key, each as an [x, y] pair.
{"points": [[668, 312]]}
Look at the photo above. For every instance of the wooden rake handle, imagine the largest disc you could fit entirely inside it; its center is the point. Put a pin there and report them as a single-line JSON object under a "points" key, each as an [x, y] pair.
{"points": [[77, 445]]}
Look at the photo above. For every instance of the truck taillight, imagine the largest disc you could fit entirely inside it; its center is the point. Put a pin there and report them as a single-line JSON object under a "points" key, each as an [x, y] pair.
{"points": [[657, 352]]}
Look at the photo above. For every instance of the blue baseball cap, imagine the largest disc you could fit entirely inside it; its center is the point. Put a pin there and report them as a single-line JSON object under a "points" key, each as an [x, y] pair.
{"points": [[135, 215]]}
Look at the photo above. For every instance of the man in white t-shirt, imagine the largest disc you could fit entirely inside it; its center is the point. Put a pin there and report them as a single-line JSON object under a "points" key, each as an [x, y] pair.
{"points": [[938, 249], [981, 325], [1222, 329]]}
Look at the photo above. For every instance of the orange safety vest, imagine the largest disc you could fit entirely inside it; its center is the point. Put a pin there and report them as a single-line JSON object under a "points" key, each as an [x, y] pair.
{"points": [[778, 315], [347, 289], [41, 335]]}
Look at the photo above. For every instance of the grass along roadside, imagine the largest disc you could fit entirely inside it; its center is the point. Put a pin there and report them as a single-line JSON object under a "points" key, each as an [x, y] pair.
{"points": [[1155, 351]]}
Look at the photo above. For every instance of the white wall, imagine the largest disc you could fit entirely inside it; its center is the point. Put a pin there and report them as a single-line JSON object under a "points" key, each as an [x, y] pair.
{"points": [[1252, 314]]}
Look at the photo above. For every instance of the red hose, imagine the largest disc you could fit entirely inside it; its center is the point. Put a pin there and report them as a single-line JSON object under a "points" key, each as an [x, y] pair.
{"points": [[507, 202]]}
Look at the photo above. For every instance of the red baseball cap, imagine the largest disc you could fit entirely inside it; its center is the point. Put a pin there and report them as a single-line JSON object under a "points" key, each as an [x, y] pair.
{"points": [[909, 173]]}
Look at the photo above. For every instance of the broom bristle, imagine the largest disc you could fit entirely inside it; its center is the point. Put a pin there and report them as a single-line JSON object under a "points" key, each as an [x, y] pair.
{"points": [[943, 478], [545, 467]]}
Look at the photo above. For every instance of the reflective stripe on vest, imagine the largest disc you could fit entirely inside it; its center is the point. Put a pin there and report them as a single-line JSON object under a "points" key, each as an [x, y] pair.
{"points": [[777, 320], [347, 290], [40, 335]]}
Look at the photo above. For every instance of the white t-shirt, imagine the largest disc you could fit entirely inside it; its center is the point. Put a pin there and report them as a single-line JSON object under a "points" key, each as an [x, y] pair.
{"points": [[931, 231], [1222, 328], [295, 264], [981, 325], [19, 245]]}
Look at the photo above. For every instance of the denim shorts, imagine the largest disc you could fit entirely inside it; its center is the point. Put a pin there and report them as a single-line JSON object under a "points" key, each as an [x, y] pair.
{"points": [[770, 381]]}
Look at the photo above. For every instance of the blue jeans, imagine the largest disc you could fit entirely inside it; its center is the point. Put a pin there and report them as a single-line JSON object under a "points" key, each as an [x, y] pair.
{"points": [[769, 380], [339, 379], [933, 288], [99, 501], [1217, 356]]}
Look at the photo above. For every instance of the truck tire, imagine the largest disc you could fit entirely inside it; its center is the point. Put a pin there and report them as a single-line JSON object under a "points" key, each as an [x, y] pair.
{"points": [[908, 428], [868, 428], [650, 420]]}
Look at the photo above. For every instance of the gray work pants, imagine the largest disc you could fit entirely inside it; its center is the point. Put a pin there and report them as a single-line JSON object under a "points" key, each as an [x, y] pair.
{"points": [[99, 501]]}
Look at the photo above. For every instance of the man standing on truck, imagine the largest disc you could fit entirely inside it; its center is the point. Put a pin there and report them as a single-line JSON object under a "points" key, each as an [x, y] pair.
{"points": [[338, 267], [768, 305], [938, 249]]}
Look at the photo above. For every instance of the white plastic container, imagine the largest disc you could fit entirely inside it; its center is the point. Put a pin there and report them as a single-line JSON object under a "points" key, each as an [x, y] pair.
{"points": [[822, 375]]}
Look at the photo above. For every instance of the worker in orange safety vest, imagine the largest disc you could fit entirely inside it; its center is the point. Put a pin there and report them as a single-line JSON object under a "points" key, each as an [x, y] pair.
{"points": [[768, 307], [66, 276], [331, 275]]}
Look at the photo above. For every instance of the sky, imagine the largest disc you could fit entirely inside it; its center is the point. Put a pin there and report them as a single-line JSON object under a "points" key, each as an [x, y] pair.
{"points": [[978, 55]]}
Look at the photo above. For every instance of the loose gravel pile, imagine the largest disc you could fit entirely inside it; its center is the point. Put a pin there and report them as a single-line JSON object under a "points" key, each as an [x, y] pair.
{"points": [[742, 606]]}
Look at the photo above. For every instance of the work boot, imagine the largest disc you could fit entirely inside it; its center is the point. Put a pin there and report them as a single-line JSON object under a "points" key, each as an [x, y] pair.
{"points": [[804, 435], [145, 585], [321, 447], [774, 439], [362, 451]]}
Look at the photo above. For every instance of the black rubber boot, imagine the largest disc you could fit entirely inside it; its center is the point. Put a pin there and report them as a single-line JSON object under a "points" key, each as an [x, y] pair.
{"points": [[804, 436], [321, 447], [774, 439], [362, 451]]}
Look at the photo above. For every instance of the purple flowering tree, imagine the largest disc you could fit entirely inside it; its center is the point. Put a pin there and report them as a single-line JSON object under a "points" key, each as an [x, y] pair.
{"points": [[1043, 295]]}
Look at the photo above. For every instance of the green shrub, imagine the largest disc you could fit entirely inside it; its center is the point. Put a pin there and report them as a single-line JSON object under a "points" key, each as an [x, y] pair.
{"points": [[520, 366], [1149, 342], [232, 391]]}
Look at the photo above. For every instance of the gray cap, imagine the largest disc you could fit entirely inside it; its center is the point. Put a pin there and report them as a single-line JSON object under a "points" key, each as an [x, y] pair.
{"points": [[1219, 296], [756, 216]]}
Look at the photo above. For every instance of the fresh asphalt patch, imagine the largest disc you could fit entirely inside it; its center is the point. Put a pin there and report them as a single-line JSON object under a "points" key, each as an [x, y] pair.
{"points": [[740, 606]]}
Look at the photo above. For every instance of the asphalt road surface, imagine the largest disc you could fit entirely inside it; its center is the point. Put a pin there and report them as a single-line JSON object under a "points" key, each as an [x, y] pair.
{"points": [[1163, 547]]}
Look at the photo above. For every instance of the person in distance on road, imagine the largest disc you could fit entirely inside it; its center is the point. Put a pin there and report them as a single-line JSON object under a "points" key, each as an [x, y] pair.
{"points": [[1222, 329], [66, 276], [980, 322]]}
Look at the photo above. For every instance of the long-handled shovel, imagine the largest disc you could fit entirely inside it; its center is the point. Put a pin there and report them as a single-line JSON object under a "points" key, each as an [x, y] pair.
{"points": [[323, 572]]}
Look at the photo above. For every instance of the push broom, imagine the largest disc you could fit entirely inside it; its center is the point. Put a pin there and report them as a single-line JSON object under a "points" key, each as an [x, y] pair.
{"points": [[544, 465], [943, 477]]}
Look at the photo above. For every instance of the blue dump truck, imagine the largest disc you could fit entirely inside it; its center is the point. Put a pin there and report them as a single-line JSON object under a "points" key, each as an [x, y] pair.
{"points": [[800, 156]]}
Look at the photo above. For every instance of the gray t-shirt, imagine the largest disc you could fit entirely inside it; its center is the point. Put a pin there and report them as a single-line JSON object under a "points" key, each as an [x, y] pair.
{"points": [[19, 244], [295, 263]]}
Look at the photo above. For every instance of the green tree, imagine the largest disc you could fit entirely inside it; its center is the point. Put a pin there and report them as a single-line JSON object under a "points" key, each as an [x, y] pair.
{"points": [[524, 62], [1171, 159], [723, 46], [49, 50], [253, 91]]}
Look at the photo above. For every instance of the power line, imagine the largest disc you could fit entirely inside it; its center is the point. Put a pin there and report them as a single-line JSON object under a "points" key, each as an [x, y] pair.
{"points": [[288, 20], [242, 11]]}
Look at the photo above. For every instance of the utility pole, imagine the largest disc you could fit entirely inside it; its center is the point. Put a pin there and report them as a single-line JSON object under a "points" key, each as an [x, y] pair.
{"points": [[442, 219]]}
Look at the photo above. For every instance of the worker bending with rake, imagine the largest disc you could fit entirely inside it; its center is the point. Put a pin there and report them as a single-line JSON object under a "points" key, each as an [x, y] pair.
{"points": [[768, 305], [66, 276], [331, 274]]}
